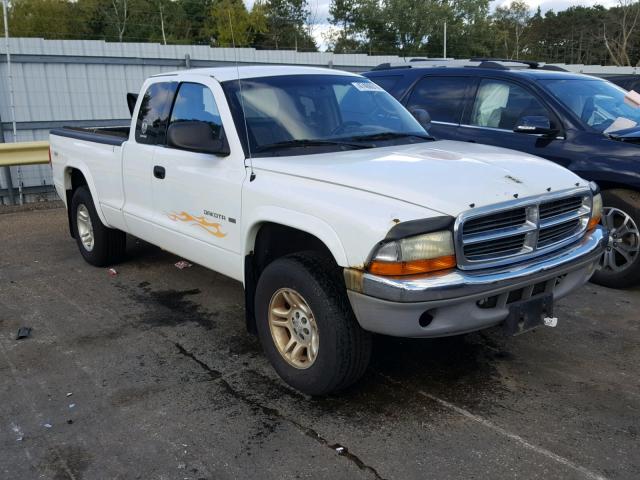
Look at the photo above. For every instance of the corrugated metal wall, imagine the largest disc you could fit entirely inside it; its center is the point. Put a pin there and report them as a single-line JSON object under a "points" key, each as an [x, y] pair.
{"points": [[84, 83]]}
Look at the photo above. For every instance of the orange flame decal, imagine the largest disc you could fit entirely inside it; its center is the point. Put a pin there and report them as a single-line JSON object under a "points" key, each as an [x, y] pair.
{"points": [[209, 227]]}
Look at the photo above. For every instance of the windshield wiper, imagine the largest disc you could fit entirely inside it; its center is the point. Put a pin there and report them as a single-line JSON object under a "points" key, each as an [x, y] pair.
{"points": [[302, 143], [391, 136]]}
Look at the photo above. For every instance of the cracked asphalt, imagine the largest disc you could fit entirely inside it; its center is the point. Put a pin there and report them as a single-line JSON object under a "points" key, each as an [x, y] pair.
{"points": [[165, 383]]}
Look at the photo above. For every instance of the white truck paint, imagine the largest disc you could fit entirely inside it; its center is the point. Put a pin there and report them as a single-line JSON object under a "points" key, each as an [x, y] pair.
{"points": [[210, 208]]}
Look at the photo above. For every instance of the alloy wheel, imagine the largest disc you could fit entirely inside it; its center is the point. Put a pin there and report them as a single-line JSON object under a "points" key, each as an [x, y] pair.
{"points": [[85, 227], [293, 328], [624, 240]]}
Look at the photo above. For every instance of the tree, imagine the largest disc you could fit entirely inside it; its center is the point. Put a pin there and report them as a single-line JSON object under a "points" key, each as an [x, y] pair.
{"points": [[410, 27], [617, 31], [229, 21], [121, 15], [190, 20], [45, 18], [286, 22], [343, 14], [511, 21], [570, 36]]}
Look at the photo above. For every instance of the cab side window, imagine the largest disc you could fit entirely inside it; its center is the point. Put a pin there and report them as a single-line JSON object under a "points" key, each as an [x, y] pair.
{"points": [[195, 102], [151, 124], [442, 97], [500, 104], [387, 81]]}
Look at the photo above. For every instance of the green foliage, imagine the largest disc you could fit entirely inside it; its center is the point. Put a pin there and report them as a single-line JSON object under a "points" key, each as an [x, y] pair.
{"points": [[286, 26], [28, 17], [416, 28], [405, 27], [229, 21], [270, 24]]}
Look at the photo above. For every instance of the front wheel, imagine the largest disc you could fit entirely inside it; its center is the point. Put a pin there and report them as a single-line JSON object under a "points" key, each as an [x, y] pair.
{"points": [[620, 266], [306, 326]]}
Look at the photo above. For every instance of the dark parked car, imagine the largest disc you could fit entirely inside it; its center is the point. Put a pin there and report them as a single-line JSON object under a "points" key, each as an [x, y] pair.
{"points": [[628, 82], [585, 123]]}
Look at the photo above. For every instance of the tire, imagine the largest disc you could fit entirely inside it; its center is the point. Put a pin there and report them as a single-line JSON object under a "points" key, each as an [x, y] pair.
{"points": [[343, 348], [108, 245], [621, 262]]}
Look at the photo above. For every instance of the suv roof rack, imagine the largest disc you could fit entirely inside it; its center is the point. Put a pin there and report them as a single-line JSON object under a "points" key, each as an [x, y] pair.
{"points": [[486, 61], [476, 62], [499, 61]]}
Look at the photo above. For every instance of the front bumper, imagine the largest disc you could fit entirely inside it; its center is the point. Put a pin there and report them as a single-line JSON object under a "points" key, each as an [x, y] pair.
{"points": [[458, 301]]}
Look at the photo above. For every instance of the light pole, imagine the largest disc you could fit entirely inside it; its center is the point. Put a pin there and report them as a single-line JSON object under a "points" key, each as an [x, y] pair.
{"points": [[12, 102]]}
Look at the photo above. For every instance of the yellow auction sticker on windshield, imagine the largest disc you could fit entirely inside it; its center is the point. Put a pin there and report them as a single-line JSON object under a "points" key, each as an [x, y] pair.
{"points": [[367, 86]]}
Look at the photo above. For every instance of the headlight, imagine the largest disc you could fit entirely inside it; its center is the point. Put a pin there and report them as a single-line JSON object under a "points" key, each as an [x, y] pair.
{"points": [[420, 254], [596, 212]]}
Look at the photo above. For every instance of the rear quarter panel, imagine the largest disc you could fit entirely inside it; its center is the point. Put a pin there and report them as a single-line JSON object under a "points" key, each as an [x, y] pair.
{"points": [[101, 166]]}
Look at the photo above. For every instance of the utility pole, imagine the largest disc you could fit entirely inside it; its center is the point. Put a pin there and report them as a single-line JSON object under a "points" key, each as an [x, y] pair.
{"points": [[12, 100], [7, 172], [444, 52]]}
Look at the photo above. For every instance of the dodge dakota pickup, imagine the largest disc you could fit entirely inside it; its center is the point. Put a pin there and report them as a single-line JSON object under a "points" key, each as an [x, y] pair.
{"points": [[336, 210]]}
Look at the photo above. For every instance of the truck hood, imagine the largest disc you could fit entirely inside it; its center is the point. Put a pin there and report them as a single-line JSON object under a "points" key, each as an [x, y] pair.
{"points": [[445, 176]]}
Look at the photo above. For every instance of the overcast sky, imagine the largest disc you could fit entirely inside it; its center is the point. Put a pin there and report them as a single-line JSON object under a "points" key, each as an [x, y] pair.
{"points": [[321, 10]]}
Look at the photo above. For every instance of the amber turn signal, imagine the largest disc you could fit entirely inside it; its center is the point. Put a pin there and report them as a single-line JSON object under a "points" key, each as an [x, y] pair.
{"points": [[412, 267], [593, 223], [596, 212]]}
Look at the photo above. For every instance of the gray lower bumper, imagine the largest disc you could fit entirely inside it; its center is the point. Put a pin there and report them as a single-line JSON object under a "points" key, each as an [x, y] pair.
{"points": [[449, 303]]}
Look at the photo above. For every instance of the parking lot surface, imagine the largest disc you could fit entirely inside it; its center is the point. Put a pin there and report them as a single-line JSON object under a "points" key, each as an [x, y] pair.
{"points": [[165, 383]]}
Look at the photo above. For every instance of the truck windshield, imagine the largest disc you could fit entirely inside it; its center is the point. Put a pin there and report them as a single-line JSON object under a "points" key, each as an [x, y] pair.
{"points": [[600, 104], [302, 114]]}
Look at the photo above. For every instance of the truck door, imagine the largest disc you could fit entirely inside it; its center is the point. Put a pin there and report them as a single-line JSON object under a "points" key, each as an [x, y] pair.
{"points": [[137, 167], [197, 195]]}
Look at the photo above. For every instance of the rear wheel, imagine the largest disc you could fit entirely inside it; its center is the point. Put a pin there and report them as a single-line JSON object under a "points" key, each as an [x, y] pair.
{"points": [[306, 326], [98, 244], [621, 261]]}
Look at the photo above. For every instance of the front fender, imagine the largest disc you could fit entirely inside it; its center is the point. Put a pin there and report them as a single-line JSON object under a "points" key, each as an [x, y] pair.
{"points": [[301, 221]]}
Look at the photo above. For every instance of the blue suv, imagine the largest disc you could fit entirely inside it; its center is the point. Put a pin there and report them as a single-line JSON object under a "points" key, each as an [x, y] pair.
{"points": [[587, 124]]}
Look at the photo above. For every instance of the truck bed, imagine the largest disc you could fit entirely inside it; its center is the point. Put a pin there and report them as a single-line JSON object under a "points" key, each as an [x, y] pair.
{"points": [[106, 135]]}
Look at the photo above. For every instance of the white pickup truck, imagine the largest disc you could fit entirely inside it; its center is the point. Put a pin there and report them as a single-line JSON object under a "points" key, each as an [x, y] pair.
{"points": [[332, 205]]}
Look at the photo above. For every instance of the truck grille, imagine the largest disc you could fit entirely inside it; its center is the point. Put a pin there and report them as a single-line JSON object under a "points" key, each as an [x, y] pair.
{"points": [[497, 220], [521, 229], [559, 207]]}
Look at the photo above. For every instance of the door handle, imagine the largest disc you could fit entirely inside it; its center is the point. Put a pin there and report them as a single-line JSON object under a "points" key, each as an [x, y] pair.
{"points": [[159, 172]]}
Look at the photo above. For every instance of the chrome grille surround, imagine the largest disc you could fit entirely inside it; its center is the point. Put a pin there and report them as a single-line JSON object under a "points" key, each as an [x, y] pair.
{"points": [[521, 229]]}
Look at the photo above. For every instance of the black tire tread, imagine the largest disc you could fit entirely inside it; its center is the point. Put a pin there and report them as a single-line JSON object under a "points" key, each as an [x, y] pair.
{"points": [[355, 339], [110, 243], [353, 343]]}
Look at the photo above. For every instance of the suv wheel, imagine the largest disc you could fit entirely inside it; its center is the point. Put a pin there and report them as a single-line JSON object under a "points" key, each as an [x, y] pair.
{"points": [[306, 326], [620, 266]]}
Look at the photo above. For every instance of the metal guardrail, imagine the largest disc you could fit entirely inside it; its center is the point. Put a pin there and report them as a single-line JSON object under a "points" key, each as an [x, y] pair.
{"points": [[20, 154], [24, 153]]}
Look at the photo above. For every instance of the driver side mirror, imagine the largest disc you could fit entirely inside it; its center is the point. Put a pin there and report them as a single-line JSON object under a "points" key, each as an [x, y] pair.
{"points": [[422, 116], [535, 124], [197, 136]]}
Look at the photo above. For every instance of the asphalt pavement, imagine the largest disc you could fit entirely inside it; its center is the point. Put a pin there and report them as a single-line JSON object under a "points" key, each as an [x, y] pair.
{"points": [[150, 374]]}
